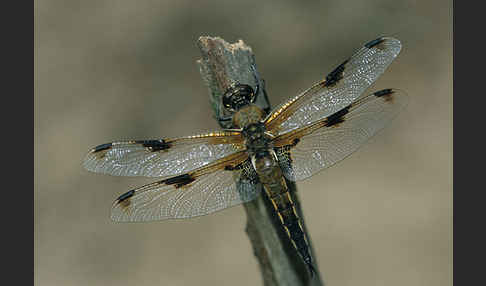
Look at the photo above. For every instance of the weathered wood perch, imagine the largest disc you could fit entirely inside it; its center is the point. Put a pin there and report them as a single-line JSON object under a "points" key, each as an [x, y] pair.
{"points": [[221, 65]]}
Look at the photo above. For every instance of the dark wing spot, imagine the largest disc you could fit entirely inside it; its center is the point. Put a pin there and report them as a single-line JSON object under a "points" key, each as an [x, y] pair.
{"points": [[336, 75], [100, 150], [232, 168], [124, 199], [295, 142], [337, 117], [102, 147], [387, 94], [155, 145], [179, 181], [374, 43]]}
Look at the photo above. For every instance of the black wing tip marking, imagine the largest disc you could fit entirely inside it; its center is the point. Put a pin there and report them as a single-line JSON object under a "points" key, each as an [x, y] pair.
{"points": [[125, 196], [102, 147], [385, 43], [386, 94], [155, 145], [337, 117], [375, 42], [179, 181], [124, 200]]}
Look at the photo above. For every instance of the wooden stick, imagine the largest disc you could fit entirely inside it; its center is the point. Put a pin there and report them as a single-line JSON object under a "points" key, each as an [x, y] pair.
{"points": [[221, 65]]}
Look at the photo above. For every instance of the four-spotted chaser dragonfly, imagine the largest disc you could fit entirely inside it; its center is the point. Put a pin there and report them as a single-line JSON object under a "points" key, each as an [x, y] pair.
{"points": [[201, 174]]}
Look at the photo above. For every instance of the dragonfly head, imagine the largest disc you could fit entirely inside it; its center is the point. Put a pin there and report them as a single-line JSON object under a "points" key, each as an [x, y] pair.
{"points": [[237, 96]]}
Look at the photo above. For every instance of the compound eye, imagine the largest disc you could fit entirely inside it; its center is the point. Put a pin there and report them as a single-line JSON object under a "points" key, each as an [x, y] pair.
{"points": [[238, 96], [245, 92], [250, 96]]}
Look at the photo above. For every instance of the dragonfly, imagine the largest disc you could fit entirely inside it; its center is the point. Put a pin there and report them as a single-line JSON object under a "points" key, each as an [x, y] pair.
{"points": [[201, 174]]}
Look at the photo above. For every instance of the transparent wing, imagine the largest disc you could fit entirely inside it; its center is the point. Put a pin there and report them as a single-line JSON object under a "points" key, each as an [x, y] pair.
{"points": [[305, 151], [340, 88], [164, 157], [204, 191]]}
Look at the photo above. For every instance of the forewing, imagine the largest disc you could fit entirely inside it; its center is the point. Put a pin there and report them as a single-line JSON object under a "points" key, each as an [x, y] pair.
{"points": [[163, 157], [204, 191], [341, 87], [305, 151]]}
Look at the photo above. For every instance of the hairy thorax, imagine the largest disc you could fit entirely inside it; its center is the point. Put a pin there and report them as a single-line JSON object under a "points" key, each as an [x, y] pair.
{"points": [[247, 115], [258, 142]]}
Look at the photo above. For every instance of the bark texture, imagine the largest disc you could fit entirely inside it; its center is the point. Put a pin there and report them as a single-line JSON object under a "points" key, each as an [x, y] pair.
{"points": [[221, 65]]}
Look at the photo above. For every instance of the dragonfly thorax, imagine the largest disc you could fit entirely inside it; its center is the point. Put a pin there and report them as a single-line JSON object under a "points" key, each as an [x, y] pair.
{"points": [[250, 114], [257, 140]]}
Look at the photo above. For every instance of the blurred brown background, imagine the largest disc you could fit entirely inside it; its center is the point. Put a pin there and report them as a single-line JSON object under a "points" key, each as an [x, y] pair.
{"points": [[108, 70]]}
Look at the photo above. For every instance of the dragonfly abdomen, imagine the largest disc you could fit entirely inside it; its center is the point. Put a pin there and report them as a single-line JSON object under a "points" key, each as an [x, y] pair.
{"points": [[285, 209], [276, 189]]}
